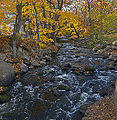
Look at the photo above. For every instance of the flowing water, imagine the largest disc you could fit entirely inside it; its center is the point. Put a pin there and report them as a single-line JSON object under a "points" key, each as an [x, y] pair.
{"points": [[57, 91]]}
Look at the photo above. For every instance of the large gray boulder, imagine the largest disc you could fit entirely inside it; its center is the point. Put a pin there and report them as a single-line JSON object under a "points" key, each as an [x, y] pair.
{"points": [[6, 73]]}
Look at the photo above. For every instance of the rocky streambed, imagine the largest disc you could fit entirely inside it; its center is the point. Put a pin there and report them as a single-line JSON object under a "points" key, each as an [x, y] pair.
{"points": [[62, 89]]}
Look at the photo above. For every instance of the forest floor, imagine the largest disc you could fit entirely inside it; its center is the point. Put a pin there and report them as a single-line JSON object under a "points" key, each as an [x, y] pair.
{"points": [[103, 109]]}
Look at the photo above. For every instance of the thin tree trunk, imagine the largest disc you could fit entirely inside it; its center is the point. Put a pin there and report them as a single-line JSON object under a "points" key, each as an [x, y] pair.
{"points": [[37, 23], [89, 10], [101, 22], [77, 33]]}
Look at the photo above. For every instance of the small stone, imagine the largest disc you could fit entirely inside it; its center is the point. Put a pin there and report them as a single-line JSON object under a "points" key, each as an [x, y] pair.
{"points": [[35, 63], [115, 43], [42, 62], [23, 67], [107, 48], [48, 58], [112, 57]]}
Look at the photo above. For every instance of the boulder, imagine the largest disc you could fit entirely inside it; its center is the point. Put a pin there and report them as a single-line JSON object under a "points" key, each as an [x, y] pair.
{"points": [[6, 73], [115, 43]]}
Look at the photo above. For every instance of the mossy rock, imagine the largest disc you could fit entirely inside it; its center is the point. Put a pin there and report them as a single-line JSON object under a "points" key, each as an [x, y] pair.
{"points": [[63, 87], [3, 98], [7, 114], [89, 68]]}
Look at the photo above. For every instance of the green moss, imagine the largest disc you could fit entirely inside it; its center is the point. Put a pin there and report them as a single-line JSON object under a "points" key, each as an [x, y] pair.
{"points": [[89, 68], [7, 114], [3, 98]]}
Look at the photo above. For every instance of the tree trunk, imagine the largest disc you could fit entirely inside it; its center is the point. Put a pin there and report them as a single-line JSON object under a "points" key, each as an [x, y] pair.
{"points": [[101, 22], [37, 23], [77, 33], [89, 10], [17, 27]]}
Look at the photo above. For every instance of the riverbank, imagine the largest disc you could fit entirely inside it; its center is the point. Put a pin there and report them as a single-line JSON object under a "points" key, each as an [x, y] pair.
{"points": [[103, 109]]}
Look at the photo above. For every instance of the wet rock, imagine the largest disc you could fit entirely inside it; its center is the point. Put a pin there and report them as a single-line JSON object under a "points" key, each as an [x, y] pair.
{"points": [[80, 54], [106, 91], [107, 48], [65, 66], [83, 108], [6, 73], [48, 58], [77, 115], [63, 87], [89, 68], [75, 97], [14, 116], [23, 67], [88, 73], [98, 47], [35, 63], [38, 110], [43, 53], [79, 66], [100, 51], [105, 55], [64, 103], [49, 96]]}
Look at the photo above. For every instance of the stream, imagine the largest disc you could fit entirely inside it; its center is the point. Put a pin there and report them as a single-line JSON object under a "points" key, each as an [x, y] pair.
{"points": [[58, 90]]}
